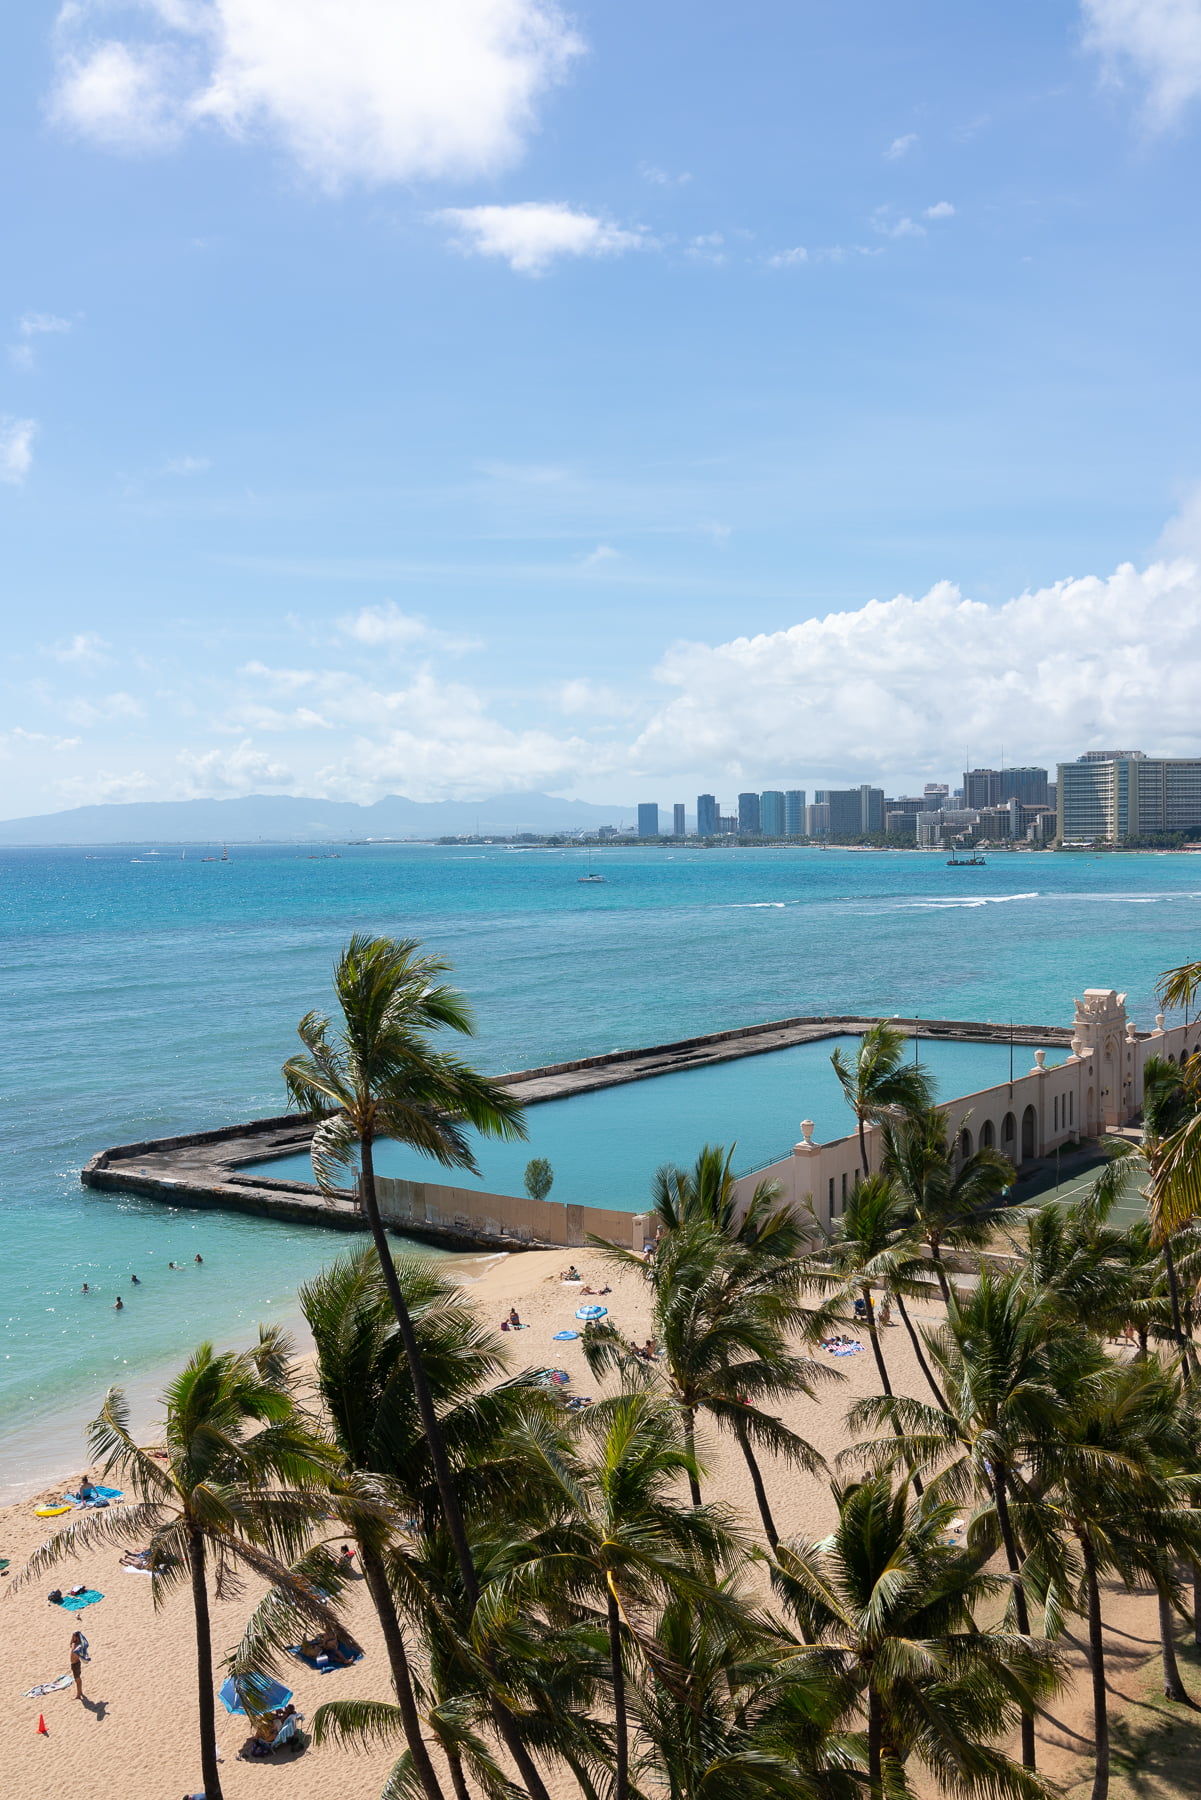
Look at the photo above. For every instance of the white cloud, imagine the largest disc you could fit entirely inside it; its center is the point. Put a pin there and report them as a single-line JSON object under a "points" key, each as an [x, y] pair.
{"points": [[532, 233], [582, 698], [788, 259], [16, 449], [354, 90], [238, 771], [888, 225], [1158, 41], [84, 647], [707, 248], [19, 736], [596, 559], [185, 465], [661, 177], [900, 146], [887, 688], [942, 209], [388, 625], [106, 710], [38, 324]]}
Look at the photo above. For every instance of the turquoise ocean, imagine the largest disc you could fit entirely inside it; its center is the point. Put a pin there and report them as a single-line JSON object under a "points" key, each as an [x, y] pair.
{"points": [[148, 994]]}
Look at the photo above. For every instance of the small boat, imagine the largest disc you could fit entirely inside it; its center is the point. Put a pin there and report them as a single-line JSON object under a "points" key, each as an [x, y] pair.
{"points": [[590, 876], [966, 862]]}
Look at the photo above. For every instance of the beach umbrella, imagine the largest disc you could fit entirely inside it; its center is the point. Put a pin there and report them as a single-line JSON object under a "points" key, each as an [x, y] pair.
{"points": [[263, 1693], [591, 1312]]}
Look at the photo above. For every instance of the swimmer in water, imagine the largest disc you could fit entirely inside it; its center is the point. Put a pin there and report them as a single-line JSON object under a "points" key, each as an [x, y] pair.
{"points": [[85, 1289], [118, 1304], [175, 1265], [137, 1280], [199, 1258]]}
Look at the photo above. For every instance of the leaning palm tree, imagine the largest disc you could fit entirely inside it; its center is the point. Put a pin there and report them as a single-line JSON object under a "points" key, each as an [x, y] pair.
{"points": [[237, 1490], [878, 1083], [1170, 1099], [1119, 1492], [890, 1610], [954, 1204], [376, 1076], [621, 1541], [1007, 1368], [723, 1314]]}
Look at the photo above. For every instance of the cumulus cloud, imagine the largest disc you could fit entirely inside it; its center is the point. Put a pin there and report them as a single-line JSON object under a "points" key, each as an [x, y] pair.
{"points": [[788, 259], [663, 177], [237, 771], [1083, 664], [531, 234], [16, 449], [85, 647], [889, 224], [942, 209], [105, 710], [900, 146], [35, 324], [1158, 42], [352, 90]]}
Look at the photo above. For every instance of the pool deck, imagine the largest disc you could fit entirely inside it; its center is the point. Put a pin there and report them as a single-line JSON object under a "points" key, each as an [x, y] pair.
{"points": [[204, 1169]]}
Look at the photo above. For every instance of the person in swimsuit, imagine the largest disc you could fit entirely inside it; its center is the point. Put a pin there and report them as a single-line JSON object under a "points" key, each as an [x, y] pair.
{"points": [[137, 1280], [118, 1304], [198, 1257], [78, 1651], [84, 1289]]}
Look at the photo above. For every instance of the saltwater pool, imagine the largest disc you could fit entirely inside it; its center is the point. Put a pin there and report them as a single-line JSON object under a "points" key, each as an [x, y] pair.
{"points": [[605, 1146]]}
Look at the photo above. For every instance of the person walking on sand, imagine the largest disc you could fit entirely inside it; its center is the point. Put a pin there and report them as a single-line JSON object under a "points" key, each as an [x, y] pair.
{"points": [[78, 1656]]}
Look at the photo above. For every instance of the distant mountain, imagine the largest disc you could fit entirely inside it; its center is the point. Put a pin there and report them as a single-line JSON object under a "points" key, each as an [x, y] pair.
{"points": [[278, 818]]}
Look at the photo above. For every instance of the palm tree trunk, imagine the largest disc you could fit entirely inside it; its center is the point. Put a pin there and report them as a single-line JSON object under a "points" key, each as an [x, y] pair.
{"points": [[875, 1745], [1020, 1610], [621, 1769], [936, 1258], [1096, 1657], [210, 1772], [1186, 1361], [402, 1680], [923, 1365], [694, 1486], [458, 1780], [878, 1353], [1173, 1687], [769, 1524], [1197, 1605], [505, 1723], [863, 1147]]}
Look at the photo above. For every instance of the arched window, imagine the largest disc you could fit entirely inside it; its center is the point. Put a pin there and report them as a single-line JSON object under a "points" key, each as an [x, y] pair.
{"points": [[1008, 1131], [1071, 1108], [1029, 1132], [988, 1136], [965, 1143], [1056, 1123]]}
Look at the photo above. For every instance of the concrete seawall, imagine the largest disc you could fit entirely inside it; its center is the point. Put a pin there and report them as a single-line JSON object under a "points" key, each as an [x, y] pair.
{"points": [[204, 1168]]}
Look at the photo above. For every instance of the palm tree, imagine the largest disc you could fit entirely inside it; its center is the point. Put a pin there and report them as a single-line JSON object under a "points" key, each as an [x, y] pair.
{"points": [[1118, 1482], [953, 1206], [879, 1084], [1008, 1369], [871, 1244], [621, 1541], [724, 1308], [379, 1076], [238, 1487], [1170, 1099], [891, 1611]]}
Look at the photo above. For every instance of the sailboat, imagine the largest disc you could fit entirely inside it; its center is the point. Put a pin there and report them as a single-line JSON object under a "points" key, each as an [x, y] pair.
{"points": [[224, 853], [590, 876]]}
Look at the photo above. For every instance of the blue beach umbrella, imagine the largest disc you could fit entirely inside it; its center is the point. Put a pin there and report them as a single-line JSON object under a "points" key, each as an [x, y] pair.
{"points": [[264, 1694], [591, 1312]]}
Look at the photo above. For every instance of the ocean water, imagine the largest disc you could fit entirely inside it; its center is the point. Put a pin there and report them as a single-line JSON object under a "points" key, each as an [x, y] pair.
{"points": [[146, 995], [605, 1146]]}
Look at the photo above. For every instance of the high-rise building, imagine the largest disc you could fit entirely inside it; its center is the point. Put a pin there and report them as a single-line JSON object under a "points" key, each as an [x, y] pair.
{"points": [[901, 824], [854, 811], [679, 825], [817, 819], [794, 812], [648, 820], [706, 815], [771, 813], [749, 820], [821, 797], [935, 792], [995, 787], [1112, 797]]}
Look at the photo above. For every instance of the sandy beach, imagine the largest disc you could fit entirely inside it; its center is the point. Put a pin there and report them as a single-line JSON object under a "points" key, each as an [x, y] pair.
{"points": [[134, 1735]]}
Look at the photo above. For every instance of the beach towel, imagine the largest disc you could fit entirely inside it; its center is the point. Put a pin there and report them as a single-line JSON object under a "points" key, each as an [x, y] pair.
{"points": [[330, 1663], [846, 1350], [101, 1496], [47, 1687], [76, 1602]]}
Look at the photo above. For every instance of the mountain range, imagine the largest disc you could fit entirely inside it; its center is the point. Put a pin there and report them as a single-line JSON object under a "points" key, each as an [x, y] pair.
{"points": [[281, 818]]}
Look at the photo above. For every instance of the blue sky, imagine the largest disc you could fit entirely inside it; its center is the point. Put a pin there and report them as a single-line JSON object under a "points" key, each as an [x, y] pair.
{"points": [[619, 401]]}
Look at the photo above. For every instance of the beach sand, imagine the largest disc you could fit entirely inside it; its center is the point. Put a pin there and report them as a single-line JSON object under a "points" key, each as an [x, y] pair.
{"points": [[134, 1736]]}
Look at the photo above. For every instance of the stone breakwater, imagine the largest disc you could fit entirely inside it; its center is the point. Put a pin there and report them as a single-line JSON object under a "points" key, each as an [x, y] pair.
{"points": [[207, 1168]]}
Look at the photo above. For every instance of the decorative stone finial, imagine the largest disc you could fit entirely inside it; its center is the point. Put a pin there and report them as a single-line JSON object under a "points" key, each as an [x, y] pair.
{"points": [[1159, 1021], [1040, 1057], [807, 1130]]}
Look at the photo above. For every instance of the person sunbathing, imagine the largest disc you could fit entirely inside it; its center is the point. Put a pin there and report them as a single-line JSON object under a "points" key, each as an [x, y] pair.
{"points": [[326, 1644], [136, 1559]]}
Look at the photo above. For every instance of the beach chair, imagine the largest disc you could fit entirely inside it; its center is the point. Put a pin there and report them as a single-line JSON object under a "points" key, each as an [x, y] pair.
{"points": [[289, 1733]]}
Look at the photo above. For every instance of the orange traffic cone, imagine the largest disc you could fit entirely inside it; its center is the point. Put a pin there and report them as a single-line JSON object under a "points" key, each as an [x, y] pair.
{"points": [[42, 1726]]}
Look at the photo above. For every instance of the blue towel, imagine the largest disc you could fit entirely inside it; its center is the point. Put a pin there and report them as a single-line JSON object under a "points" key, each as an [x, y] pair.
{"points": [[76, 1602], [324, 1668]]}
